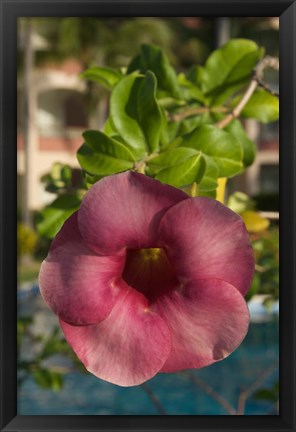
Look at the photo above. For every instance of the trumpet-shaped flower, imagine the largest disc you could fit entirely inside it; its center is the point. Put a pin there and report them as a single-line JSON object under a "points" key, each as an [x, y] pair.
{"points": [[145, 279]]}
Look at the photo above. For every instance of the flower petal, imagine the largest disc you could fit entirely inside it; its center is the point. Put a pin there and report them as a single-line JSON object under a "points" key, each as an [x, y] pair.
{"points": [[129, 347], [203, 238], [124, 210], [208, 319], [75, 282]]}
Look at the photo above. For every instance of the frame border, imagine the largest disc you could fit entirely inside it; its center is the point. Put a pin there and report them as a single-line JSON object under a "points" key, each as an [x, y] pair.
{"points": [[9, 11]]}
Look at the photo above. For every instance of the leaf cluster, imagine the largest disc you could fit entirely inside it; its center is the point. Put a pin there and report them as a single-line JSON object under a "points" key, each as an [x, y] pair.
{"points": [[40, 367], [268, 394], [165, 124], [266, 278]]}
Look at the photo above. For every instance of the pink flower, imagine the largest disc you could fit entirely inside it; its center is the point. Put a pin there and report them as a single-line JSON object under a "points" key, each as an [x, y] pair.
{"points": [[146, 279]]}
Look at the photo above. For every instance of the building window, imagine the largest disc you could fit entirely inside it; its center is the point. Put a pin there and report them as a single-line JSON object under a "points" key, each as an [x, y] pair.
{"points": [[269, 136], [60, 111], [75, 112]]}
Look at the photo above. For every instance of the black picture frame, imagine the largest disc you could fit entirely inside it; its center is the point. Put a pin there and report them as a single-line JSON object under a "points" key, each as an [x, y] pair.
{"points": [[10, 10]]}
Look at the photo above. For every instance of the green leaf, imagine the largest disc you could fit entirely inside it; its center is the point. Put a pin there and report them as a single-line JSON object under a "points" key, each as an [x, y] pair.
{"points": [[190, 91], [262, 106], [208, 193], [254, 287], [24, 321], [168, 102], [230, 64], [239, 202], [135, 113], [124, 113], [178, 167], [170, 158], [228, 68], [151, 118], [102, 155], [66, 174], [168, 134], [152, 58], [190, 123], [266, 394], [249, 147], [91, 179], [109, 128], [59, 177], [54, 215], [194, 74], [105, 76], [51, 344], [217, 145], [48, 379], [209, 181]]}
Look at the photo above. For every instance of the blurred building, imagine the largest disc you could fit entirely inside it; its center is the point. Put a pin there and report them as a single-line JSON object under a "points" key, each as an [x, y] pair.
{"points": [[261, 179], [57, 119]]}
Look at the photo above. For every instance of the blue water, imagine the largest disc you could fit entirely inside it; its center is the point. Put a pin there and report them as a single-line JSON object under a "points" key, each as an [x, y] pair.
{"points": [[176, 394]]}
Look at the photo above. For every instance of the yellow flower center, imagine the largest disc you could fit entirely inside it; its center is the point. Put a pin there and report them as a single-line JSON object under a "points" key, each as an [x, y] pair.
{"points": [[152, 254]]}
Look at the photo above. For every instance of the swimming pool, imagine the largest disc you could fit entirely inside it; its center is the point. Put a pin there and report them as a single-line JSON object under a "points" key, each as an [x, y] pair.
{"points": [[184, 393]]}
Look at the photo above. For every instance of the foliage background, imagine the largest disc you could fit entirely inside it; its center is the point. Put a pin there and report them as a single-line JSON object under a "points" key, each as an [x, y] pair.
{"points": [[113, 43]]}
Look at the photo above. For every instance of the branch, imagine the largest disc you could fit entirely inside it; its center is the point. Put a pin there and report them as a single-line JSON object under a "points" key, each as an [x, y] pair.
{"points": [[154, 399], [195, 111], [211, 392], [253, 387], [271, 62], [267, 88], [244, 395], [266, 62]]}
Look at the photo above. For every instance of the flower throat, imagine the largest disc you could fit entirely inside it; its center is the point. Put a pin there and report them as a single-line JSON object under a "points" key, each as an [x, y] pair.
{"points": [[149, 271]]}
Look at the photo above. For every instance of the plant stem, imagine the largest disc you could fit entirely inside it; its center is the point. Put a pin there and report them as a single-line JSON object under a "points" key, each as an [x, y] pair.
{"points": [[237, 110], [154, 399], [196, 110], [244, 395], [267, 61], [211, 392], [140, 167]]}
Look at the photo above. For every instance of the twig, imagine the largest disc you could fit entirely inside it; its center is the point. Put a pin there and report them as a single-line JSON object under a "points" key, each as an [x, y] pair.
{"points": [[154, 399], [257, 81], [244, 395], [140, 166], [237, 110], [195, 110], [266, 62], [271, 62], [211, 392], [267, 88], [260, 269]]}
